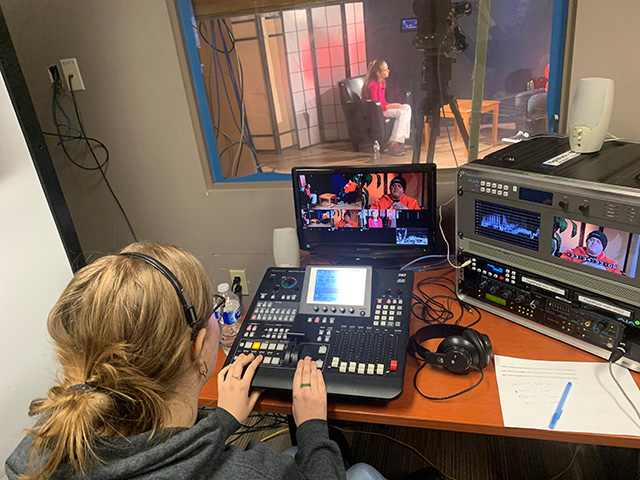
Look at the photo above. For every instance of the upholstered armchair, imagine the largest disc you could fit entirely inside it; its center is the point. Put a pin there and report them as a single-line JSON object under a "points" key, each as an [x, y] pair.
{"points": [[365, 120]]}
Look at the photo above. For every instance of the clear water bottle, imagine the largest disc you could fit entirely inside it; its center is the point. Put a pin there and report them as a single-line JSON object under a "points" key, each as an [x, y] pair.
{"points": [[376, 149], [230, 319]]}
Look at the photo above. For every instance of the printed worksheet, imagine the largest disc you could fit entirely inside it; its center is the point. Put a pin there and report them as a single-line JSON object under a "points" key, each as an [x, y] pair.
{"points": [[531, 392]]}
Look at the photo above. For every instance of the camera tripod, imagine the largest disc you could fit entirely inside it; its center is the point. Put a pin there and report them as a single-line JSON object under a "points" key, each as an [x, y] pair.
{"points": [[436, 75]]}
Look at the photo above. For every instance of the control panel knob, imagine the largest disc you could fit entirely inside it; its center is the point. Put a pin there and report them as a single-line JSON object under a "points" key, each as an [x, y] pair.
{"points": [[351, 310], [316, 308], [334, 309], [494, 289], [534, 304], [289, 282], [506, 294], [362, 313], [563, 204], [584, 207], [519, 299], [399, 292], [387, 291], [342, 310], [324, 308]]}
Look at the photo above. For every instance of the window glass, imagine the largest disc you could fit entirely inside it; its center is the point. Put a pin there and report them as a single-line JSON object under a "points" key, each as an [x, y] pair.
{"points": [[517, 70], [280, 89]]}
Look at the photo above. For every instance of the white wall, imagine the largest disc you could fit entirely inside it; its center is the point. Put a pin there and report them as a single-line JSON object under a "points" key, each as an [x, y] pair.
{"points": [[135, 102], [35, 270], [606, 44]]}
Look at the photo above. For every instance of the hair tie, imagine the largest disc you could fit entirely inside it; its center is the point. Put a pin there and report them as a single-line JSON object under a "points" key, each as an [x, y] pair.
{"points": [[82, 387]]}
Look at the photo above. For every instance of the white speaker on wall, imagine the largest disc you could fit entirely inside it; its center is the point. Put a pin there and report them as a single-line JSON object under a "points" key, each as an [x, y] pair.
{"points": [[590, 114], [286, 250]]}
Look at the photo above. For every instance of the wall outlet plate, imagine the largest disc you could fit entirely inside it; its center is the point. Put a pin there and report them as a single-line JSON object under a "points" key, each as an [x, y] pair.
{"points": [[243, 280], [70, 67]]}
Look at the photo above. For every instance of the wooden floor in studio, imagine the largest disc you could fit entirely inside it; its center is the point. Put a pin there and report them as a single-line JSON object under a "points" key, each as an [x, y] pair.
{"points": [[342, 153]]}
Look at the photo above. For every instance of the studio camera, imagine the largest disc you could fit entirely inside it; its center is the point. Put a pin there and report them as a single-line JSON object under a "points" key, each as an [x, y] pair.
{"points": [[436, 29]]}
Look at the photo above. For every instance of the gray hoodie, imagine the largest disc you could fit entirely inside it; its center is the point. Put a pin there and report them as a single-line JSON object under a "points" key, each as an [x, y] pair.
{"points": [[199, 452]]}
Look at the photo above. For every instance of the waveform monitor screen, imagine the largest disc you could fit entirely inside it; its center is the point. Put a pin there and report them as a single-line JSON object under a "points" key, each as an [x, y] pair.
{"points": [[507, 224], [595, 246], [377, 209]]}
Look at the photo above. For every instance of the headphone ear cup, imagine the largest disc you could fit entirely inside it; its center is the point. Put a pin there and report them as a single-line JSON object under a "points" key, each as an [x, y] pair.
{"points": [[478, 353], [482, 344], [459, 354]]}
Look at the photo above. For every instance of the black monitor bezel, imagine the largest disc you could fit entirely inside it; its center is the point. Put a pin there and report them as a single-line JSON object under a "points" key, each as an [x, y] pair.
{"points": [[363, 248]]}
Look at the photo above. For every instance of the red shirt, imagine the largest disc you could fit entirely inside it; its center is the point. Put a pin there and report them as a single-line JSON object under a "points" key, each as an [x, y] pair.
{"points": [[342, 223], [386, 202], [350, 187], [375, 91], [375, 223]]}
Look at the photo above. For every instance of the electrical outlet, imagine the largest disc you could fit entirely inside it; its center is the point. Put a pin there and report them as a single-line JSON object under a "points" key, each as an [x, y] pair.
{"points": [[243, 280], [54, 75], [70, 67]]}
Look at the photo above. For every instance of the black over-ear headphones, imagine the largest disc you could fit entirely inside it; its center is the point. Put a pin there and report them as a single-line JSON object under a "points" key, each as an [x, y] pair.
{"points": [[462, 350], [187, 306]]}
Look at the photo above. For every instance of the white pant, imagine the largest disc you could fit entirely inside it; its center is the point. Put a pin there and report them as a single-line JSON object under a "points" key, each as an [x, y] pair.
{"points": [[402, 125]]}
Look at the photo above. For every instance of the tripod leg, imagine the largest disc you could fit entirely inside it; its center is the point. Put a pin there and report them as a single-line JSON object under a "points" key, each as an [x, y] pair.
{"points": [[418, 143], [453, 105], [434, 127]]}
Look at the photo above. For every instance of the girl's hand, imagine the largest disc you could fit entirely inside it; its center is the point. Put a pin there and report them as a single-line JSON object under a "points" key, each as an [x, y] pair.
{"points": [[233, 387], [309, 393]]}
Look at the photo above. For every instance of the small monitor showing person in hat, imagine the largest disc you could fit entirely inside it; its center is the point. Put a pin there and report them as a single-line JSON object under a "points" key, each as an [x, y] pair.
{"points": [[396, 198], [592, 253]]}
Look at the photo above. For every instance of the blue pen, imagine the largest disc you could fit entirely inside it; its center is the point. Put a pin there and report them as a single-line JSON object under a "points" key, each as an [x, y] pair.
{"points": [[558, 412]]}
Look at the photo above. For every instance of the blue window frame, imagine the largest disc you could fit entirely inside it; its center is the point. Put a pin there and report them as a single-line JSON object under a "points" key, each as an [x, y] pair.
{"points": [[187, 20]]}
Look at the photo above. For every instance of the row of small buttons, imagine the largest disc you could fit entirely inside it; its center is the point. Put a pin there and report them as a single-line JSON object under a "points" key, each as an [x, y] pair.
{"points": [[499, 186], [389, 301], [493, 191], [266, 311], [291, 297], [359, 368], [509, 276], [330, 320], [334, 309], [264, 345]]}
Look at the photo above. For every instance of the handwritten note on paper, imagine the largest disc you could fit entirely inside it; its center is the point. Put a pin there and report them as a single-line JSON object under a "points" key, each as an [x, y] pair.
{"points": [[531, 389]]}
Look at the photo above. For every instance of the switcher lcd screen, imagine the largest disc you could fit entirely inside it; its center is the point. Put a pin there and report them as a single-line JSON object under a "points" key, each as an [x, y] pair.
{"points": [[337, 286], [598, 247]]}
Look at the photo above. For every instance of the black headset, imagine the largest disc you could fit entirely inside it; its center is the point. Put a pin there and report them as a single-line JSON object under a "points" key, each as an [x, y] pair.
{"points": [[187, 306], [462, 350]]}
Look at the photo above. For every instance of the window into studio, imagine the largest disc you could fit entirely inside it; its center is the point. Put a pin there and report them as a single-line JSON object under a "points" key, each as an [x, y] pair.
{"points": [[269, 94], [271, 84]]}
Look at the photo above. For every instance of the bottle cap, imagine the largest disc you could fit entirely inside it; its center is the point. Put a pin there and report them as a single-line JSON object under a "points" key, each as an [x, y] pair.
{"points": [[223, 288]]}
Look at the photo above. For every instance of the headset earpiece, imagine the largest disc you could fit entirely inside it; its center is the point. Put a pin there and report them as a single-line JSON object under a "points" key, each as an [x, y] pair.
{"points": [[461, 353], [482, 345]]}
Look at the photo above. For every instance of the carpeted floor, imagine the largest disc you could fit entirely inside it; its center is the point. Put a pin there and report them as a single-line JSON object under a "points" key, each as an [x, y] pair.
{"points": [[463, 456]]}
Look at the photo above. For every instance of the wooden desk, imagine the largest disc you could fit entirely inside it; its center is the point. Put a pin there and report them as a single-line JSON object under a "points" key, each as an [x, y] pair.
{"points": [[477, 411], [465, 112]]}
